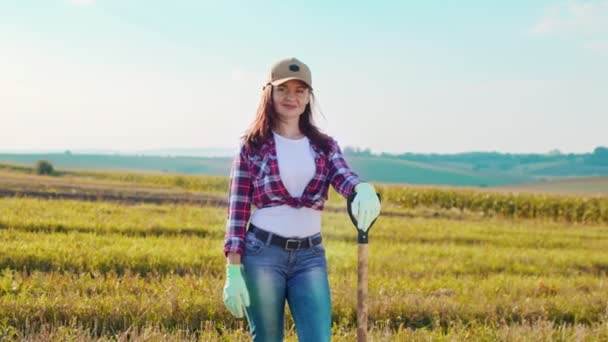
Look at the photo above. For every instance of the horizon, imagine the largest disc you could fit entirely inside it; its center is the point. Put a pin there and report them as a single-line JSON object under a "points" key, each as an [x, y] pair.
{"points": [[229, 152], [416, 77]]}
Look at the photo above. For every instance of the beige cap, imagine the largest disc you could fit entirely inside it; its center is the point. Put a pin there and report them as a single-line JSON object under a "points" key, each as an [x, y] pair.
{"points": [[289, 69]]}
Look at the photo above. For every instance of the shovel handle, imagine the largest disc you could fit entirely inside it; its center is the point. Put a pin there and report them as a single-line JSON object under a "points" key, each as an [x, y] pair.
{"points": [[363, 236], [362, 293], [362, 265]]}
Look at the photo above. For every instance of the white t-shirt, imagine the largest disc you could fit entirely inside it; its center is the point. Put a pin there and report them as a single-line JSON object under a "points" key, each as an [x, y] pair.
{"points": [[296, 168]]}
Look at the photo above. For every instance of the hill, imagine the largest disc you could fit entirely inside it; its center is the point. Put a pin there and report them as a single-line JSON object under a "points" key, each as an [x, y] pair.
{"points": [[476, 169]]}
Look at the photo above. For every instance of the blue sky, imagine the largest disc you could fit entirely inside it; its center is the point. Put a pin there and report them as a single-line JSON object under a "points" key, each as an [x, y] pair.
{"points": [[393, 76]]}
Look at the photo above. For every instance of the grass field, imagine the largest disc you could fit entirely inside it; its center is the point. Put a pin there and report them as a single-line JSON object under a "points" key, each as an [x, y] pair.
{"points": [[109, 270], [576, 185]]}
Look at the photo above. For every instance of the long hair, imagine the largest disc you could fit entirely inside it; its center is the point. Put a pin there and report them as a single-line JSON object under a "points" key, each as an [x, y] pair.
{"points": [[267, 118]]}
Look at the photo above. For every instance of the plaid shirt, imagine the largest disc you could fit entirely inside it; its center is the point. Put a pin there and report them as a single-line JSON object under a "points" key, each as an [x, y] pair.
{"points": [[254, 179]]}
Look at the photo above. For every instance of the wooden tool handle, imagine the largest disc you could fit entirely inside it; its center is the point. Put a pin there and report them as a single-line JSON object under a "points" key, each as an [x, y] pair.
{"points": [[361, 272], [362, 293]]}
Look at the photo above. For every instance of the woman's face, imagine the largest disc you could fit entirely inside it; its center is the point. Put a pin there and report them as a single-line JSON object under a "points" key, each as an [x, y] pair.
{"points": [[290, 98]]}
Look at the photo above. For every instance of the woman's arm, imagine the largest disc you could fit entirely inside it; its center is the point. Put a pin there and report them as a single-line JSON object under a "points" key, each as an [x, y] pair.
{"points": [[234, 259], [239, 207], [342, 178]]}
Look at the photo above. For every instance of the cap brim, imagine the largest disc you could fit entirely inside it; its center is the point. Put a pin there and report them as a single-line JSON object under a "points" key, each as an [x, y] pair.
{"points": [[283, 80]]}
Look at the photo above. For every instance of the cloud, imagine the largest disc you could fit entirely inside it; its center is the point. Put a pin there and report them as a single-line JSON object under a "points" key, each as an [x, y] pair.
{"points": [[586, 18], [81, 2]]}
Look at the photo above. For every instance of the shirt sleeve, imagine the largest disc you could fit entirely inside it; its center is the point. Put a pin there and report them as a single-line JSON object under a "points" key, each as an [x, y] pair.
{"points": [[239, 204], [342, 178]]}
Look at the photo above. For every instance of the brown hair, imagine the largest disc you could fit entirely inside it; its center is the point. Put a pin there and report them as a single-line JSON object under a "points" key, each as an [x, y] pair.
{"points": [[267, 118]]}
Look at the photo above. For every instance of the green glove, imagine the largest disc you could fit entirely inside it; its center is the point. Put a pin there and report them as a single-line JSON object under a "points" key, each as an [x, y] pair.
{"points": [[236, 296], [366, 205]]}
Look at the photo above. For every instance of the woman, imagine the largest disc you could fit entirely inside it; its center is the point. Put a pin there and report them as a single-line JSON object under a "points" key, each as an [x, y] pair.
{"points": [[284, 168]]}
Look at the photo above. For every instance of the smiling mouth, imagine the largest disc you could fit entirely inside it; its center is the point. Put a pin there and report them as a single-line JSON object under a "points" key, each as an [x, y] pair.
{"points": [[290, 106]]}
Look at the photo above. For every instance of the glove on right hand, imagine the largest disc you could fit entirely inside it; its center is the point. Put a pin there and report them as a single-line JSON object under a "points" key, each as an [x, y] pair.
{"points": [[236, 296]]}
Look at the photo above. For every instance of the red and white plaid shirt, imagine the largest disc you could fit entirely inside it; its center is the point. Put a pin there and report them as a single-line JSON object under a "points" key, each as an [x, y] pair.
{"points": [[254, 179]]}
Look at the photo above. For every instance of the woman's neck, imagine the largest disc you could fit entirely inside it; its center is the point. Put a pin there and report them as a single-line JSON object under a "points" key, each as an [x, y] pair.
{"points": [[289, 131]]}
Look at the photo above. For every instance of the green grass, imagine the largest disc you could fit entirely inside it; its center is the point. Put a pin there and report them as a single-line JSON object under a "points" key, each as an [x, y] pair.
{"points": [[31, 214], [207, 184], [413, 172], [508, 204], [212, 331], [101, 269]]}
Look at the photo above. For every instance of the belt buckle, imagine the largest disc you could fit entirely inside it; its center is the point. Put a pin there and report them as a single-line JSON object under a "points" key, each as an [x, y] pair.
{"points": [[292, 240]]}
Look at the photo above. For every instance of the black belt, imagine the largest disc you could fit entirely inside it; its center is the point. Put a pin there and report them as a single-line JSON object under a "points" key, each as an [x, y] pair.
{"points": [[290, 244]]}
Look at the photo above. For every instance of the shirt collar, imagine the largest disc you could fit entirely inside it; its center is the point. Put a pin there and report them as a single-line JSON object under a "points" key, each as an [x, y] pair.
{"points": [[269, 144]]}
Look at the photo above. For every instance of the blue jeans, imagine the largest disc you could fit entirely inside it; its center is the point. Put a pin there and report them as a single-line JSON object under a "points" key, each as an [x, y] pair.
{"points": [[273, 275]]}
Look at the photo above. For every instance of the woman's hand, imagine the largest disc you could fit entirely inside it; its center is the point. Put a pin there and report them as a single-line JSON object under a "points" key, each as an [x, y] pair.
{"points": [[236, 296], [366, 205]]}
